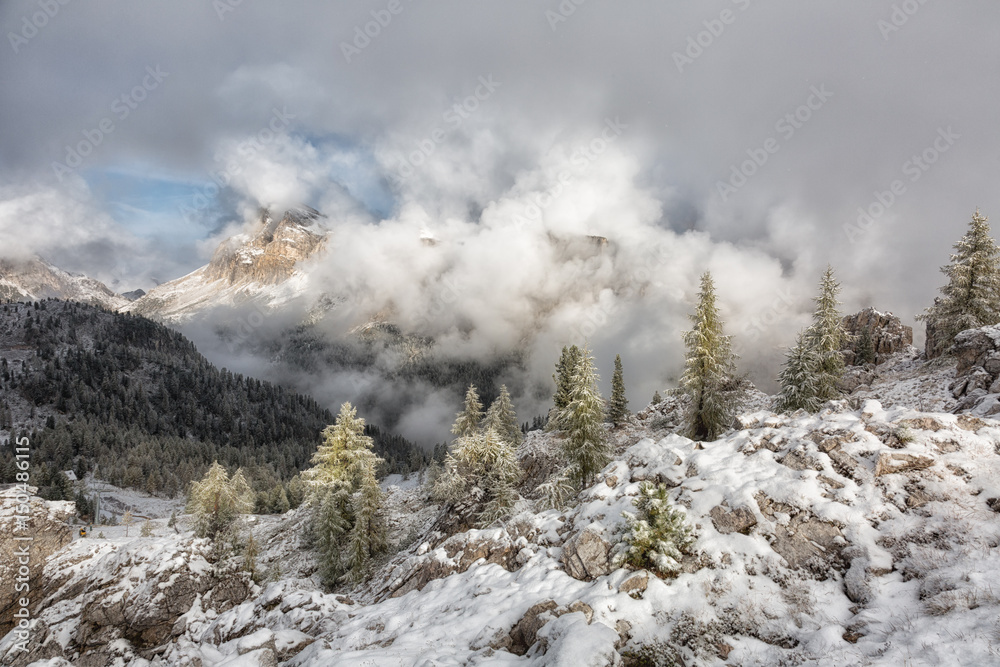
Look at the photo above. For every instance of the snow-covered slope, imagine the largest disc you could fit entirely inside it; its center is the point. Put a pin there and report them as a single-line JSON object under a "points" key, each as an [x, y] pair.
{"points": [[36, 279], [864, 536], [264, 268]]}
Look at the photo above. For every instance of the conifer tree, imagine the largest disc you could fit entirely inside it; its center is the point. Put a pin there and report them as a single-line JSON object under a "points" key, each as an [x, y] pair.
{"points": [[586, 446], [368, 534], [346, 497], [563, 378], [709, 373], [469, 419], [971, 299], [618, 407], [250, 553], [502, 418], [147, 529], [484, 467], [127, 520], [798, 379], [825, 337], [657, 398], [864, 349], [217, 501]]}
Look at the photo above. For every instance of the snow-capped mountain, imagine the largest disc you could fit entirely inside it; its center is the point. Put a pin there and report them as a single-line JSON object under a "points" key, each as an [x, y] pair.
{"points": [[264, 267], [35, 279]]}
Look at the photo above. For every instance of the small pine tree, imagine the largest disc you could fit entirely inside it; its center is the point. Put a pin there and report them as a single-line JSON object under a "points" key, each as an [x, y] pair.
{"points": [[147, 529], [657, 399], [825, 337], [127, 520], [482, 464], [618, 407], [798, 379], [250, 553], [469, 419], [710, 366], [502, 418], [657, 536], [971, 299], [172, 521], [100, 535], [556, 491], [586, 446], [217, 501], [864, 349]]}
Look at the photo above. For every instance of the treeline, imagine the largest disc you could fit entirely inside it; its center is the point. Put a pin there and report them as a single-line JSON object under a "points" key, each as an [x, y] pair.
{"points": [[137, 400]]}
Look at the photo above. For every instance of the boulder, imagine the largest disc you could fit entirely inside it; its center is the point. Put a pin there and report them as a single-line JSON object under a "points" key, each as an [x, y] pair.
{"points": [[888, 464], [635, 585], [587, 554], [739, 520], [889, 334]]}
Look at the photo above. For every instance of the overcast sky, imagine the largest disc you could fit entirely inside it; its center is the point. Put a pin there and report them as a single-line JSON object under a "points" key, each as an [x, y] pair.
{"points": [[660, 105]]}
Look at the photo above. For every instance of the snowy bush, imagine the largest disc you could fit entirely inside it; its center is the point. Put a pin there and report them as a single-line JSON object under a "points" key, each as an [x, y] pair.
{"points": [[657, 536]]}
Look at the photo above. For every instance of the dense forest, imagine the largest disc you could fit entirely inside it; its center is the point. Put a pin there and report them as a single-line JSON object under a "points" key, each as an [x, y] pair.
{"points": [[134, 399]]}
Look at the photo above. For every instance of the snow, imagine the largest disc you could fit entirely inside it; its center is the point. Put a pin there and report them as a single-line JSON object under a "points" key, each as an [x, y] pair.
{"points": [[898, 565]]}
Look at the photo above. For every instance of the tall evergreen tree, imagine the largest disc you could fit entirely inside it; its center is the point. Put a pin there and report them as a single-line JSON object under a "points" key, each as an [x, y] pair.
{"points": [[469, 419], [618, 407], [502, 418], [368, 535], [709, 377], [798, 379], [825, 337], [346, 497], [482, 467], [586, 446], [563, 377], [971, 299]]}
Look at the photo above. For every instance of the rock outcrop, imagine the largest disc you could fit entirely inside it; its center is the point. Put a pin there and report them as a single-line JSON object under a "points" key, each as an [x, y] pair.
{"points": [[888, 334], [586, 555], [977, 372], [48, 532]]}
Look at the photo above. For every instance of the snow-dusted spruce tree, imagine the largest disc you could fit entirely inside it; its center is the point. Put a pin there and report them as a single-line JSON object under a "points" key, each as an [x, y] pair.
{"points": [[709, 377], [502, 418], [368, 534], [657, 399], [346, 497], [656, 536], [470, 418], [618, 406], [482, 467], [217, 500], [586, 446], [798, 379], [563, 378], [825, 337], [971, 298]]}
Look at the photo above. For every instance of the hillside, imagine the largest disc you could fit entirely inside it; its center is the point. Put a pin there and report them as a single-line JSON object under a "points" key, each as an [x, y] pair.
{"points": [[864, 534], [136, 401]]}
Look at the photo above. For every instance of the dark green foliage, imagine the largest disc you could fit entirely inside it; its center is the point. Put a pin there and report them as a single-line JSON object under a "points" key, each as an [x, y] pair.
{"points": [[563, 377], [864, 348], [138, 401], [618, 406]]}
